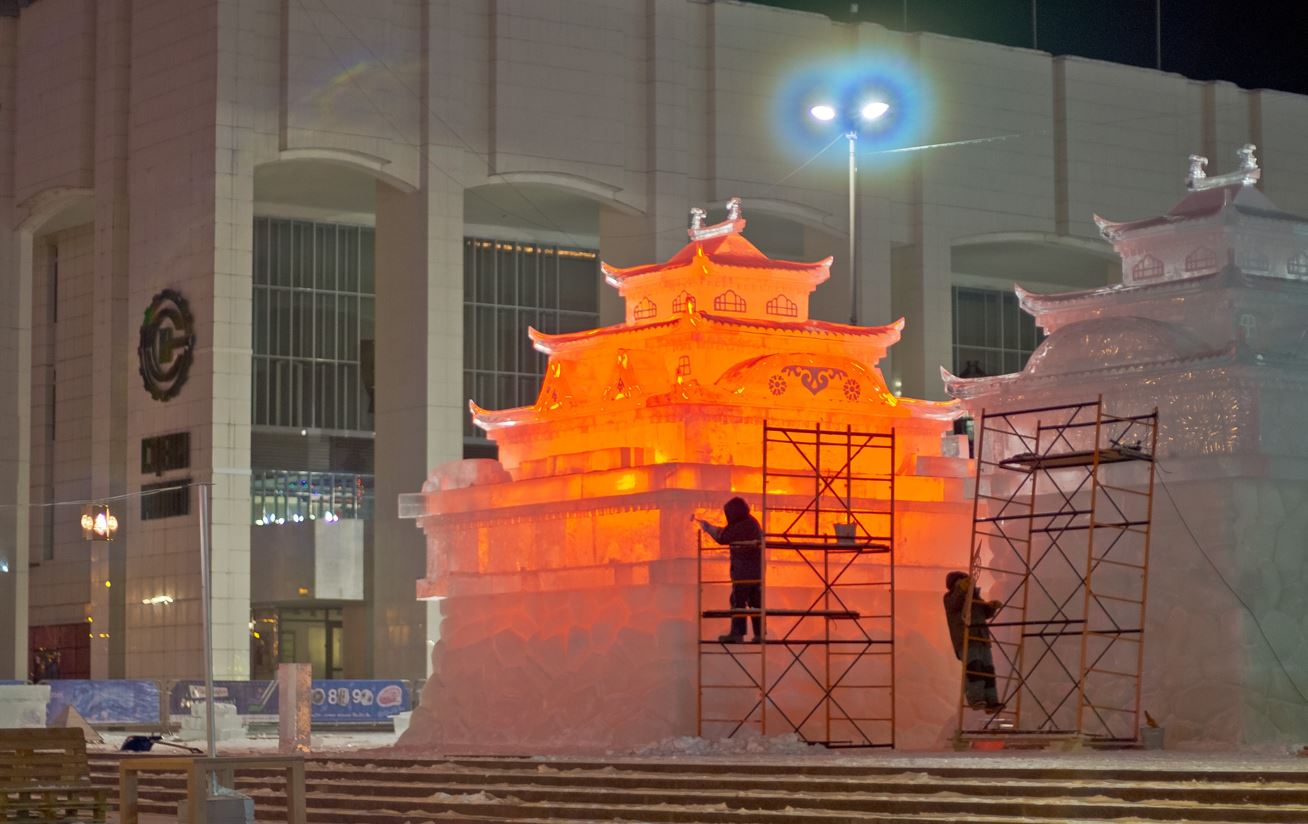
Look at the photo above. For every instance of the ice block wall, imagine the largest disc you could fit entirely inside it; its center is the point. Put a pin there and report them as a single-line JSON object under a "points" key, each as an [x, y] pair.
{"points": [[569, 615], [567, 571], [1208, 325]]}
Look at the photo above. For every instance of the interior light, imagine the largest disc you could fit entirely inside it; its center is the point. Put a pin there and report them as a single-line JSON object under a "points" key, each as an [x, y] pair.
{"points": [[157, 600], [823, 112], [874, 109]]}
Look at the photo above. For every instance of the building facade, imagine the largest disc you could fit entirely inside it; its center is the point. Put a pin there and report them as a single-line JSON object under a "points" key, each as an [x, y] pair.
{"points": [[269, 249]]}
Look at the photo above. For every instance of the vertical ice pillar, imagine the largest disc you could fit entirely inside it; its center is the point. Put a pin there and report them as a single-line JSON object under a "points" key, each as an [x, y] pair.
{"points": [[294, 709]]}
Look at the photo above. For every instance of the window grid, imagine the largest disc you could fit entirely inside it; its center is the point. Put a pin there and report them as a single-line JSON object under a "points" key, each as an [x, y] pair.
{"points": [[1297, 265], [991, 330], [278, 497], [313, 305], [1147, 268], [729, 301], [1254, 261], [1200, 259], [679, 303], [645, 310], [783, 307], [508, 287]]}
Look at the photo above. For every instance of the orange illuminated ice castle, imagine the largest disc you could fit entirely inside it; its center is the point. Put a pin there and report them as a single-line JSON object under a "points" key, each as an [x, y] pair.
{"points": [[566, 570]]}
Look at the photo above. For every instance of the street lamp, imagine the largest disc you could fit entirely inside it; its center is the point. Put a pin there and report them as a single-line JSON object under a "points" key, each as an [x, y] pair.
{"points": [[866, 113]]}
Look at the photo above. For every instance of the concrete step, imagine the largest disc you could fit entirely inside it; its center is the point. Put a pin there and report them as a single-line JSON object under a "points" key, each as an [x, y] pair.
{"points": [[518, 800], [366, 790]]}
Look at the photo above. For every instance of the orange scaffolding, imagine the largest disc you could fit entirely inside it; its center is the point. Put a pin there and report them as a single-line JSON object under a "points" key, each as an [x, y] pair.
{"points": [[825, 670], [1060, 538]]}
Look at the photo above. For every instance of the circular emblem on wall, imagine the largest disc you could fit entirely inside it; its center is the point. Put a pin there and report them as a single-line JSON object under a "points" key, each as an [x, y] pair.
{"points": [[167, 345]]}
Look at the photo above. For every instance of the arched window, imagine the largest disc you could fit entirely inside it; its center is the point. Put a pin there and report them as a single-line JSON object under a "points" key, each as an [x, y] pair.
{"points": [[645, 310], [680, 302], [783, 307], [1200, 260], [1297, 265], [729, 301], [1147, 268], [683, 365]]}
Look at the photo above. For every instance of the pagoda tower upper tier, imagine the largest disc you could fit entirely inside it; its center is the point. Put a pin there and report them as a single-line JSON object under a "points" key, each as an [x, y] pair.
{"points": [[719, 271], [716, 340]]}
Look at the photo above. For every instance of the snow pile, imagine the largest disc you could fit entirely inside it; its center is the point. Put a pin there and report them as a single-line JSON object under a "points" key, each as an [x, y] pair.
{"points": [[682, 745]]}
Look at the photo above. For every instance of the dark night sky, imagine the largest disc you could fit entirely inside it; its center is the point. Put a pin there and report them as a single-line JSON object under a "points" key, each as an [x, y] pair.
{"points": [[1255, 44]]}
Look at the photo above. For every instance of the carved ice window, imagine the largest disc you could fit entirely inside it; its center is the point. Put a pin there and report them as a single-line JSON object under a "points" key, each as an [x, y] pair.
{"points": [[729, 301], [1253, 260], [679, 303], [783, 307], [1297, 265], [645, 310], [1200, 260], [1147, 267]]}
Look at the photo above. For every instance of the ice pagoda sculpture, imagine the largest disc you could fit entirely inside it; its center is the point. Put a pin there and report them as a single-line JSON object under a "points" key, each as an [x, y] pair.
{"points": [[566, 570], [1209, 324]]}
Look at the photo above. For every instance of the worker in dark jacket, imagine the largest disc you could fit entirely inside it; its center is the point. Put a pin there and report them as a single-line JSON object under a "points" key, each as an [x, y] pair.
{"points": [[979, 688], [744, 535]]}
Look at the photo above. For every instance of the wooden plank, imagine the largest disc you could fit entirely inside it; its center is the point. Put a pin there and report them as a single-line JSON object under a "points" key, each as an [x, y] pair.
{"points": [[44, 772]]}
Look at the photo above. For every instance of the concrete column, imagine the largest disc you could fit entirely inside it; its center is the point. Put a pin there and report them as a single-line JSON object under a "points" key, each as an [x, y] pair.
{"points": [[190, 185], [626, 238], [111, 352], [921, 274], [15, 385], [419, 396]]}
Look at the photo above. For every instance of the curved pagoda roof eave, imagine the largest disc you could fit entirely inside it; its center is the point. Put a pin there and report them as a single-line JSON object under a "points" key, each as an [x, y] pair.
{"points": [[553, 343], [968, 388], [1035, 303]]}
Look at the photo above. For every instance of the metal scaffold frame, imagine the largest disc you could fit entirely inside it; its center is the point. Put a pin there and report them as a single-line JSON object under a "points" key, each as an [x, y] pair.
{"points": [[1061, 529], [825, 670]]}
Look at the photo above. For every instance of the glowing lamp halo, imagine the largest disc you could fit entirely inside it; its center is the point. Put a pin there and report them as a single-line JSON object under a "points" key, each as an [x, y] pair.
{"points": [[883, 98], [823, 112], [873, 110]]}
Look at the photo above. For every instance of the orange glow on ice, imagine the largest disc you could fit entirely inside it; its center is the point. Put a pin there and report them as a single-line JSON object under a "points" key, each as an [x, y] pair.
{"points": [[567, 569]]}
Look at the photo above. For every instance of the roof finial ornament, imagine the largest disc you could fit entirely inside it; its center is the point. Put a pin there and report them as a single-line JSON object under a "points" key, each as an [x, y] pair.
{"points": [[1248, 163], [697, 217], [1197, 173], [733, 209]]}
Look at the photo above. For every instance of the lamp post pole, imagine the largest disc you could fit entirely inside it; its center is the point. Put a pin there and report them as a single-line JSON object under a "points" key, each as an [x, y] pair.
{"points": [[870, 111], [852, 136]]}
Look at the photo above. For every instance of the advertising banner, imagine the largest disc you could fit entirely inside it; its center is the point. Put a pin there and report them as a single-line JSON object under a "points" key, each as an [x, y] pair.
{"points": [[336, 701], [333, 701], [106, 702]]}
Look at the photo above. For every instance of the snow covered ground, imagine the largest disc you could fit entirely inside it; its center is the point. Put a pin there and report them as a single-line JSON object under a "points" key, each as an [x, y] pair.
{"points": [[789, 749]]}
